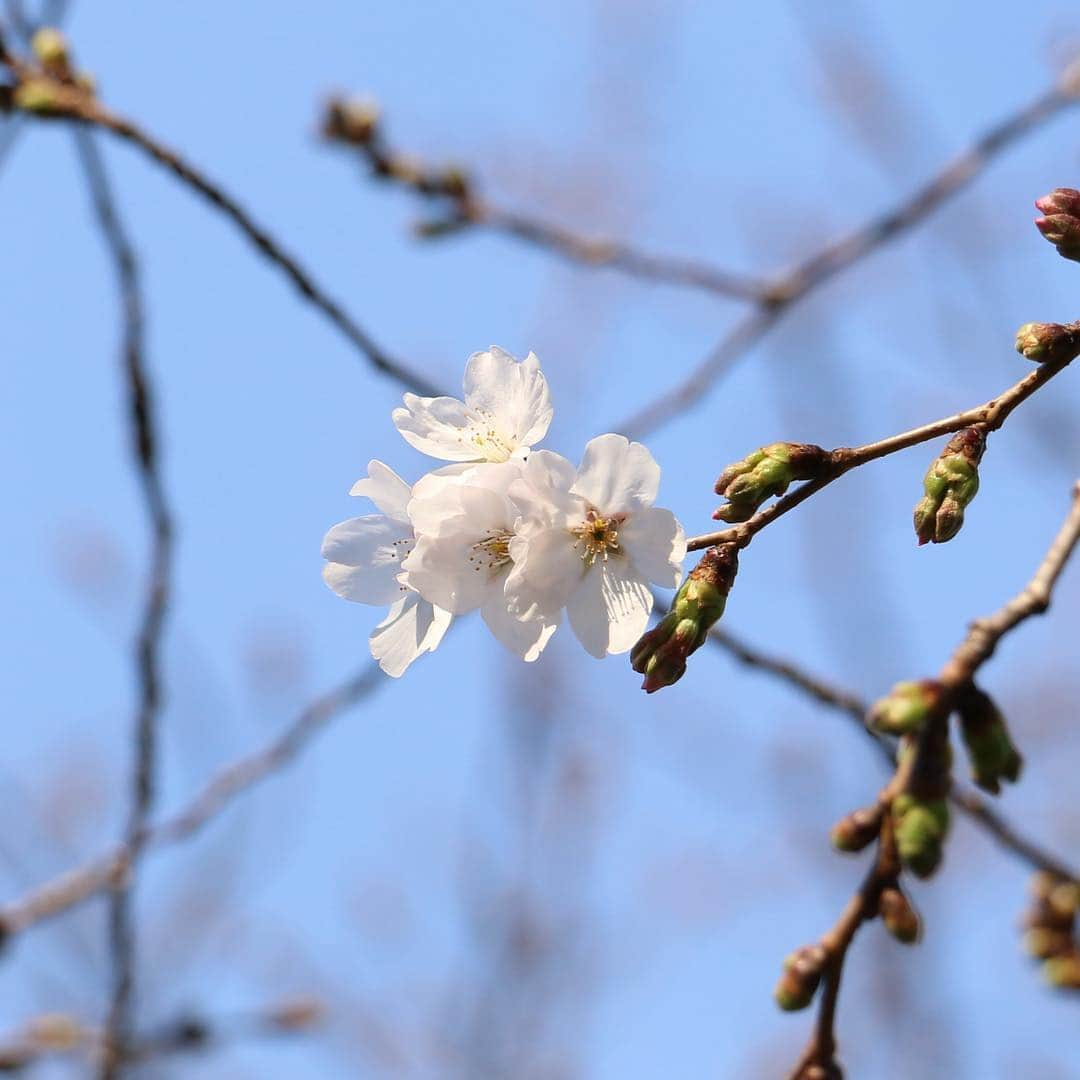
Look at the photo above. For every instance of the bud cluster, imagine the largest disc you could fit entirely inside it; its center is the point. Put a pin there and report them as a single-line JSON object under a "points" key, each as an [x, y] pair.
{"points": [[1049, 343], [801, 977], [1061, 223], [1050, 929], [661, 654], [906, 708], [990, 749], [949, 485], [767, 472]]}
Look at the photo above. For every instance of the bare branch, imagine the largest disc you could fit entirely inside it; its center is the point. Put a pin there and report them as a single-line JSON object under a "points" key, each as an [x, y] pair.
{"points": [[71, 102], [794, 286], [989, 416], [356, 126], [80, 883], [122, 941]]}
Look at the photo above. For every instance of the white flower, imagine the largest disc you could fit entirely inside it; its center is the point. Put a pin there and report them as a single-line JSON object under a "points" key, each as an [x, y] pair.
{"points": [[364, 564], [591, 541], [461, 559], [507, 408]]}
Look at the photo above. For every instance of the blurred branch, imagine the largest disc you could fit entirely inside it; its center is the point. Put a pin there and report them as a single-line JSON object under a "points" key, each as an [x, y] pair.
{"points": [[79, 884], [988, 417], [122, 941], [453, 191], [787, 290], [40, 93], [51, 1035]]}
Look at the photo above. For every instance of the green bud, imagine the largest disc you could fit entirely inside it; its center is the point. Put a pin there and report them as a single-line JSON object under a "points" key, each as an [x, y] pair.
{"points": [[1063, 971], [921, 825], [51, 49], [906, 708], [899, 916], [990, 750], [801, 977], [949, 485], [766, 472], [661, 654], [36, 96], [1048, 342], [856, 830]]}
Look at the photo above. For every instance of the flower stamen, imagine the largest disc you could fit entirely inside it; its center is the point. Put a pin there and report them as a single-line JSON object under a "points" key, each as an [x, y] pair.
{"points": [[492, 552], [597, 537]]}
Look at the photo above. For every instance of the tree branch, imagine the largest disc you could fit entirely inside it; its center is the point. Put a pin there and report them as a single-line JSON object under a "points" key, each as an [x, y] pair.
{"points": [[122, 940], [990, 416]]}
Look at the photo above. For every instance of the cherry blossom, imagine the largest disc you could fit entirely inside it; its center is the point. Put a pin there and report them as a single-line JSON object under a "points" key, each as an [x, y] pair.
{"points": [[590, 540], [507, 408], [364, 563], [461, 559]]}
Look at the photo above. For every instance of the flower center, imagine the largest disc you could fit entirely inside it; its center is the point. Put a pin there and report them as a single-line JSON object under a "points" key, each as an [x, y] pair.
{"points": [[486, 437], [491, 553], [597, 537]]}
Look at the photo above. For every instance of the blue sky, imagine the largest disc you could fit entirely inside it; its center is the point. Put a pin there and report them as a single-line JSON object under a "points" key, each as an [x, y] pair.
{"points": [[677, 844]]}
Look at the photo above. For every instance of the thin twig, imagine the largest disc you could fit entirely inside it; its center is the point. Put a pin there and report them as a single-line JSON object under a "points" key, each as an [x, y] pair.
{"points": [[122, 939], [990, 416], [80, 883], [985, 633], [459, 207], [809, 275]]}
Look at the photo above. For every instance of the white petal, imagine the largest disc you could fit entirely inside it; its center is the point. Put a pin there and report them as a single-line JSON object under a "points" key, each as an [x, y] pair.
{"points": [[385, 489], [656, 544], [440, 427], [611, 609], [524, 639], [451, 567], [617, 476], [513, 395], [412, 626], [364, 557], [547, 569], [543, 492]]}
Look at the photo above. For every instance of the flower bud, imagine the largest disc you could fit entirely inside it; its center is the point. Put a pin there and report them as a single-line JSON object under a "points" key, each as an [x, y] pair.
{"points": [[906, 708], [990, 750], [1061, 200], [1049, 343], [766, 472], [1063, 971], [1061, 225], [950, 484], [856, 830], [661, 653], [899, 916], [921, 825], [36, 96], [802, 976], [351, 121], [1041, 942], [51, 49]]}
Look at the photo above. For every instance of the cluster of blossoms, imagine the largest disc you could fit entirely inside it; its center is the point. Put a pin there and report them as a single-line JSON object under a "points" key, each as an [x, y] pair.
{"points": [[522, 535]]}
